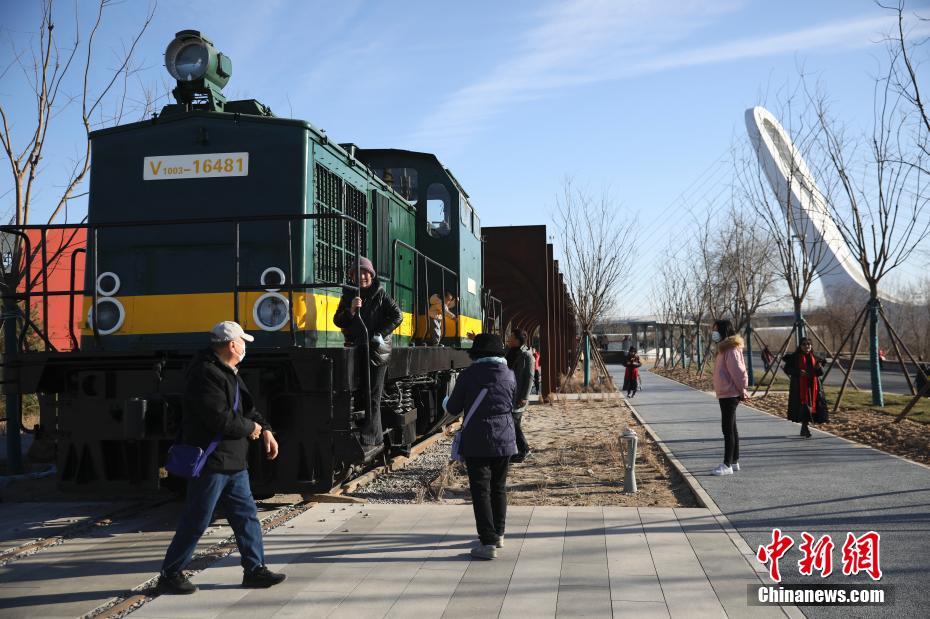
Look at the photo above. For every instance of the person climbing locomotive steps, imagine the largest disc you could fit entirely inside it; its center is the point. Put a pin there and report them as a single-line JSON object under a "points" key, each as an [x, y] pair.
{"points": [[219, 413], [371, 313]]}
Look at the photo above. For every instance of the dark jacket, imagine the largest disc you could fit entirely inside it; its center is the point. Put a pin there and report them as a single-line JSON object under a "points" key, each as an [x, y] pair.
{"points": [[490, 432], [521, 362], [208, 410], [380, 314], [794, 388]]}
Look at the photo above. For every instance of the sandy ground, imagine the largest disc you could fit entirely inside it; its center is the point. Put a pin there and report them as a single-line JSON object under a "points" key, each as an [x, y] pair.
{"points": [[577, 461], [909, 439]]}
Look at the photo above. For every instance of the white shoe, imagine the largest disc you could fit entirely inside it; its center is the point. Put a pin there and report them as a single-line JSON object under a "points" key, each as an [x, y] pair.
{"points": [[735, 466], [484, 551], [723, 469], [500, 542]]}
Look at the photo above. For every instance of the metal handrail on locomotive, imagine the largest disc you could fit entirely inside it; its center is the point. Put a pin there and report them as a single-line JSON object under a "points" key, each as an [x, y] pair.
{"points": [[219, 210]]}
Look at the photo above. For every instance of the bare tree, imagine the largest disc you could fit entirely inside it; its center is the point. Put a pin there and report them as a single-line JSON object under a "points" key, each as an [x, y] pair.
{"points": [[744, 264], [45, 67], [836, 317], [670, 294], [106, 96], [914, 316], [596, 236], [903, 71], [878, 191], [730, 271], [104, 99]]}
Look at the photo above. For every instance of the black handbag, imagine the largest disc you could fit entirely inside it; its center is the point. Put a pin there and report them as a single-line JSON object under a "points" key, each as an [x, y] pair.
{"points": [[821, 414]]}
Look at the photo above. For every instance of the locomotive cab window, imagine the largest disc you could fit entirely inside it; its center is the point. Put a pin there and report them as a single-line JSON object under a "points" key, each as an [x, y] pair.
{"points": [[438, 212]]}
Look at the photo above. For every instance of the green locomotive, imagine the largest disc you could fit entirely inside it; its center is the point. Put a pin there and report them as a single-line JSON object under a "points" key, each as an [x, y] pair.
{"points": [[219, 210]]}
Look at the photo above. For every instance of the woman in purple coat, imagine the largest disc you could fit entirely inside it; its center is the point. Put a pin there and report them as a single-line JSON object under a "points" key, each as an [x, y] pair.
{"points": [[484, 394]]}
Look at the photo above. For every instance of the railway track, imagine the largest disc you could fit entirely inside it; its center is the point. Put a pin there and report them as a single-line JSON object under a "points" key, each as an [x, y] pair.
{"points": [[131, 599]]}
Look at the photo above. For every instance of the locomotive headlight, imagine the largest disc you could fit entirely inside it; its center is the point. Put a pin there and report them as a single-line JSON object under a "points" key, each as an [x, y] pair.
{"points": [[271, 311], [201, 70], [191, 57], [109, 315], [188, 61]]}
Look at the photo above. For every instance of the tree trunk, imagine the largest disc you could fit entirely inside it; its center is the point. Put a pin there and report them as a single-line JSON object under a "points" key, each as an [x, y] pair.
{"points": [[586, 343], [878, 398], [799, 324], [752, 379]]}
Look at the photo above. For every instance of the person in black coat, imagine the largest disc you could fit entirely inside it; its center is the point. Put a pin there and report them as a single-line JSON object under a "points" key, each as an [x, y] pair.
{"points": [[521, 362], [218, 408], [806, 401], [381, 316], [488, 439]]}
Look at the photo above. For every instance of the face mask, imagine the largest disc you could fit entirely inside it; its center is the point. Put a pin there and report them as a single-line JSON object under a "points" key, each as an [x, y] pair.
{"points": [[240, 357], [715, 336]]}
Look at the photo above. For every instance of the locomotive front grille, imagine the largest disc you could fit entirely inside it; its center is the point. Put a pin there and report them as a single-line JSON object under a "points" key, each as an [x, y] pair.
{"points": [[337, 242]]}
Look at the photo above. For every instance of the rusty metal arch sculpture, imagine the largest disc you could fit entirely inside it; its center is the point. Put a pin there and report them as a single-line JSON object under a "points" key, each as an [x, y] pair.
{"points": [[521, 272]]}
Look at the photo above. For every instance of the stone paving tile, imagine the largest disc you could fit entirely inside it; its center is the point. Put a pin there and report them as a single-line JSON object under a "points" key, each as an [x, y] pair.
{"points": [[724, 565], [220, 584], [412, 561], [534, 585], [584, 583], [687, 591], [632, 573], [85, 572], [640, 610], [483, 587], [392, 568]]}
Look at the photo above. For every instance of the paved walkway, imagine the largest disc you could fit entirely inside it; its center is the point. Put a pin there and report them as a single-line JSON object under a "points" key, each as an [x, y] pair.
{"points": [[412, 561], [823, 485]]}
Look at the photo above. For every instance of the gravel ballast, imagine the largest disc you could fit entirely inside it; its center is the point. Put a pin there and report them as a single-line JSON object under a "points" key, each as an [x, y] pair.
{"points": [[409, 484]]}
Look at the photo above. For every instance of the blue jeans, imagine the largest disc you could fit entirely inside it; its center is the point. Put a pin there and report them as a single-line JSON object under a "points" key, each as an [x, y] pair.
{"points": [[203, 493]]}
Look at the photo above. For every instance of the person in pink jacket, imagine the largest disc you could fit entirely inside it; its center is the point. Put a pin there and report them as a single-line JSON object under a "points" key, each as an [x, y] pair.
{"points": [[730, 382]]}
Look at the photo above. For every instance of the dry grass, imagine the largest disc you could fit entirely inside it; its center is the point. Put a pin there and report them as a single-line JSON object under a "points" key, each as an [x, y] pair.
{"points": [[434, 490], [598, 383], [577, 461]]}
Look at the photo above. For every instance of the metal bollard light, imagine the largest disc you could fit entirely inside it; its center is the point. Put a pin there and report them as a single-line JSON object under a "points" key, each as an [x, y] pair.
{"points": [[628, 441]]}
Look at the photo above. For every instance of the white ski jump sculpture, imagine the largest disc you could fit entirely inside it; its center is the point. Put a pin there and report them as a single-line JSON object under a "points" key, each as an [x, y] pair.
{"points": [[795, 188]]}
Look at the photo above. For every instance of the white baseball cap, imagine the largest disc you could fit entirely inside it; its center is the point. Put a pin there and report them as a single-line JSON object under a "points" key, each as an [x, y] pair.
{"points": [[227, 331]]}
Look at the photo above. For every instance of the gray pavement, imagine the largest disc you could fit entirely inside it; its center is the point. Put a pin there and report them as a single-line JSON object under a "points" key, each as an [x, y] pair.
{"points": [[412, 561], [85, 572], [823, 485]]}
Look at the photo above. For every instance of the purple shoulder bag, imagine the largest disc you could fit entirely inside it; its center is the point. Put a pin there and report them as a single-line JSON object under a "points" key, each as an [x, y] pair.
{"points": [[188, 460]]}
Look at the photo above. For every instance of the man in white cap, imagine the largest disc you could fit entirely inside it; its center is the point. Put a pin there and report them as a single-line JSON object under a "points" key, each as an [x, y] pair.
{"points": [[219, 412]]}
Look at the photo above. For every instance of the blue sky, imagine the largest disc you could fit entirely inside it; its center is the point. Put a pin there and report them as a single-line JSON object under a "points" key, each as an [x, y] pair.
{"points": [[640, 98]]}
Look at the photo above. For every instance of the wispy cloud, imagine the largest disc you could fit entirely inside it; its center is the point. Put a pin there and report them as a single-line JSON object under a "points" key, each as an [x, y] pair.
{"points": [[566, 39], [589, 41], [835, 36]]}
